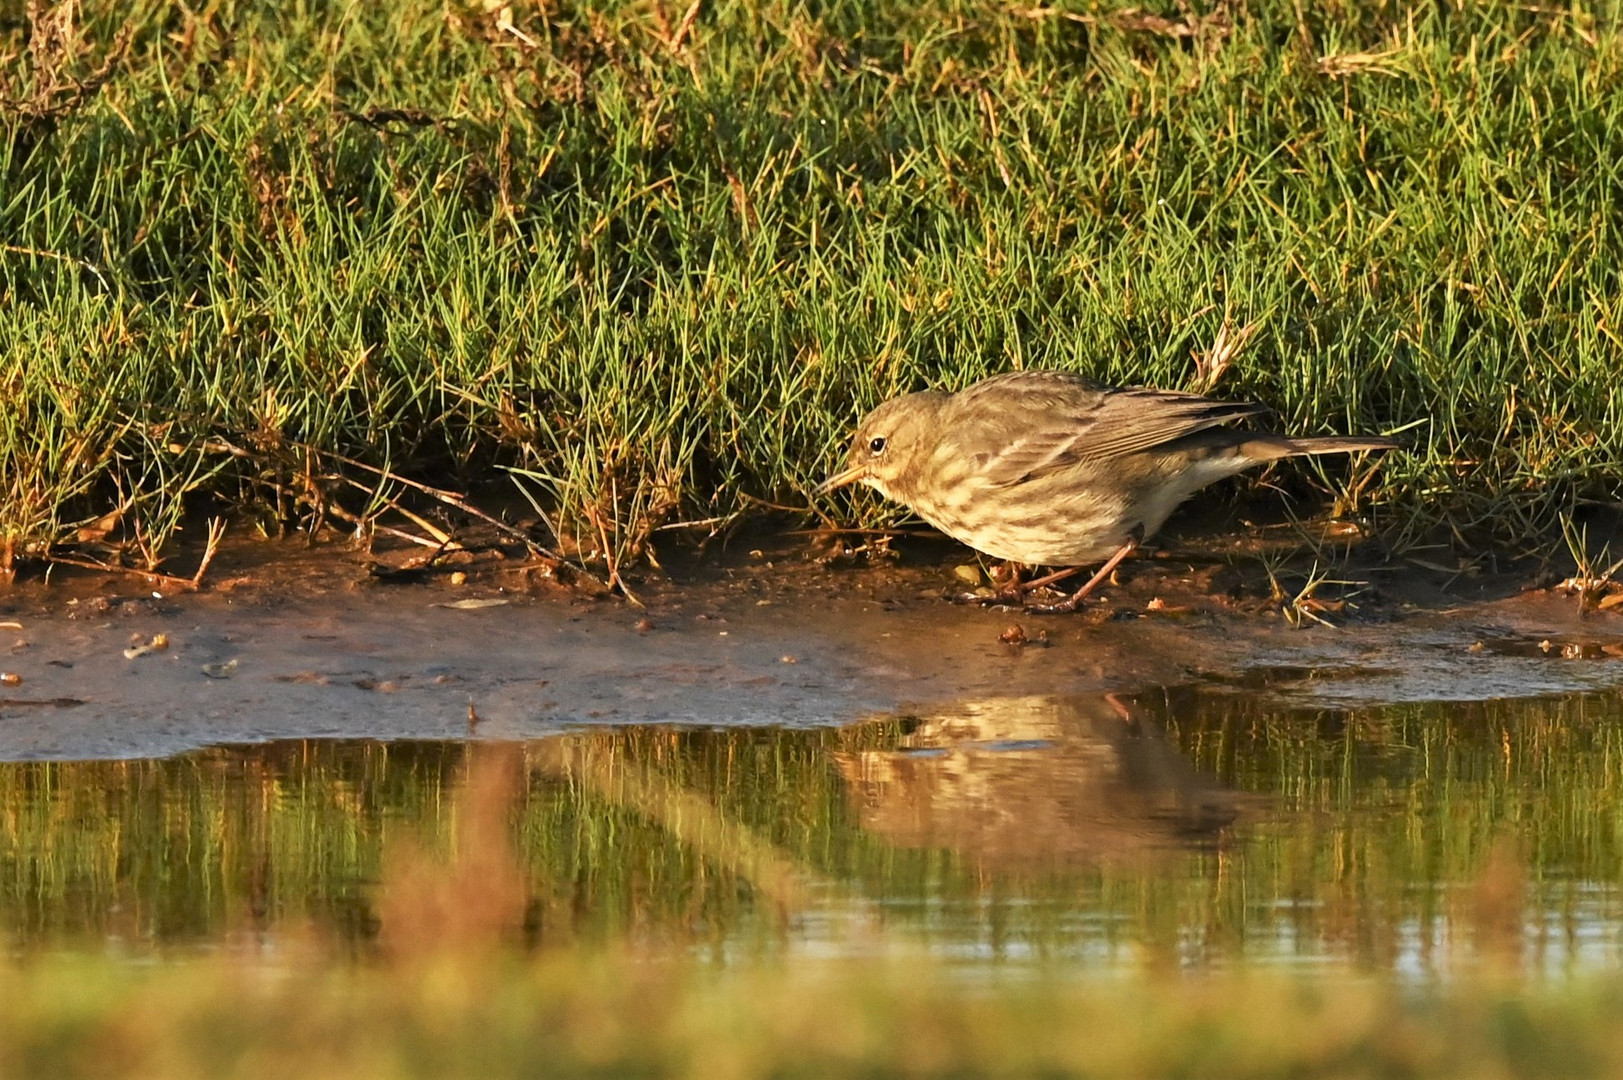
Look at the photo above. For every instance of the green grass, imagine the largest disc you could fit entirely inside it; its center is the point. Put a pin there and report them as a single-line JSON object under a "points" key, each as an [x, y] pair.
{"points": [[661, 278]]}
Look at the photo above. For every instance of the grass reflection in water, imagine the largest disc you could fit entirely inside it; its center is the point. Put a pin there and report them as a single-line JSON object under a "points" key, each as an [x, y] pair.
{"points": [[1187, 828]]}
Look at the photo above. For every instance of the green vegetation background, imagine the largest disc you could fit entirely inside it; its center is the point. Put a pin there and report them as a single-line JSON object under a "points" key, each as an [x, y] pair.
{"points": [[660, 258]]}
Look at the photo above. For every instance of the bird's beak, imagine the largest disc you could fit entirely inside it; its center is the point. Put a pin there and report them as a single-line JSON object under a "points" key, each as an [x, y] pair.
{"points": [[842, 478]]}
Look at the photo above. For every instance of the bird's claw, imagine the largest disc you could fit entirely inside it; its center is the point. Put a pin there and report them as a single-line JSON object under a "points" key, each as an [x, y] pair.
{"points": [[1057, 607], [1014, 598], [1006, 598]]}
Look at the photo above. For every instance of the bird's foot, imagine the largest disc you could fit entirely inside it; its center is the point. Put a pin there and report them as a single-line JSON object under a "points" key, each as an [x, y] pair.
{"points": [[1055, 607], [1006, 589], [1007, 596], [1074, 601]]}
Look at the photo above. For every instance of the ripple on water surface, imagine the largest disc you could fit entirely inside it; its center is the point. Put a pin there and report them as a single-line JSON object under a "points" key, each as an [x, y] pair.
{"points": [[1189, 828]]}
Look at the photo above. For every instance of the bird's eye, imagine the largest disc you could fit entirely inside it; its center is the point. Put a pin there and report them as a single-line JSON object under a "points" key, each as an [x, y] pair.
{"points": [[877, 446]]}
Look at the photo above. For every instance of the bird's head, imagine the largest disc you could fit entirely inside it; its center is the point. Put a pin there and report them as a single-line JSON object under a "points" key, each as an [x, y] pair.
{"points": [[888, 441]]}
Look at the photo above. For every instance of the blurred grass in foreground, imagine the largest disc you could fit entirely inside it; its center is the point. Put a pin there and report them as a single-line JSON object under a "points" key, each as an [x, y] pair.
{"points": [[471, 1013], [659, 265]]}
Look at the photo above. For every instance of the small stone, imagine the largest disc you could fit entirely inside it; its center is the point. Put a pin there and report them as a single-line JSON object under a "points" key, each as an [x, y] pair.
{"points": [[220, 671]]}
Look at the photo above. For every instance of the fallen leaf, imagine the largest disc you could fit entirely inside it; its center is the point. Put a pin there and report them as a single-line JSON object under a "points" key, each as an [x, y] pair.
{"points": [[159, 643]]}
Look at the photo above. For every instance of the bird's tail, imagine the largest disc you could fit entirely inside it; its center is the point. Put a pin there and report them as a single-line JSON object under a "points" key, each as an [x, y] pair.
{"points": [[1268, 447]]}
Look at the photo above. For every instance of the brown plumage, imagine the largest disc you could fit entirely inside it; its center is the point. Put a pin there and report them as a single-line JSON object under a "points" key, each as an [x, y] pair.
{"points": [[1048, 468]]}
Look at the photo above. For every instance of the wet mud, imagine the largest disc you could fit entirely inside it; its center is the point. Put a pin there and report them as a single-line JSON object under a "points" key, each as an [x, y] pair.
{"points": [[289, 643]]}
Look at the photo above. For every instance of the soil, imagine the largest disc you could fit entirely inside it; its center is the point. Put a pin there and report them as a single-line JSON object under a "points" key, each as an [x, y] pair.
{"points": [[287, 641]]}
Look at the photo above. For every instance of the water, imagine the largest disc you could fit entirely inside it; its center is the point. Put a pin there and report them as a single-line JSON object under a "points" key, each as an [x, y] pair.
{"points": [[1193, 828]]}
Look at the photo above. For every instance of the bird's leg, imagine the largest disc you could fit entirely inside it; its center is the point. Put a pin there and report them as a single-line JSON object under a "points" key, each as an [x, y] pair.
{"points": [[1049, 579], [1072, 602], [1014, 591]]}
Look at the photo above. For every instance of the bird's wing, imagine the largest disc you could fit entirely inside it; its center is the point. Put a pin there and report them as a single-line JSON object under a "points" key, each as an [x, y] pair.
{"points": [[1025, 425]]}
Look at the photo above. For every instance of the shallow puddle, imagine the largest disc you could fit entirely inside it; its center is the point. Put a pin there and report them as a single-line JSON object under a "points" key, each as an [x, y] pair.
{"points": [[1188, 828]]}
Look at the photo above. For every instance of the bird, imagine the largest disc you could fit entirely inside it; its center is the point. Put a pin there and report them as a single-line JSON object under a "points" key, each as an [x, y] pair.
{"points": [[1049, 468]]}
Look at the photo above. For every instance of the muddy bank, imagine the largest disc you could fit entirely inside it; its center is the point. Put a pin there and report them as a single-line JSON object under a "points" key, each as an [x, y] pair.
{"points": [[312, 645]]}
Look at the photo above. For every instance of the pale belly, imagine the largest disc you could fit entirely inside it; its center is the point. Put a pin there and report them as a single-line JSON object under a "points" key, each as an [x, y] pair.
{"points": [[1056, 546], [1067, 533], [1076, 523]]}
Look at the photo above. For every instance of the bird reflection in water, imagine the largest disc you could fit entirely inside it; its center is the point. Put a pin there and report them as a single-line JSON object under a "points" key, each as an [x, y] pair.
{"points": [[1028, 783]]}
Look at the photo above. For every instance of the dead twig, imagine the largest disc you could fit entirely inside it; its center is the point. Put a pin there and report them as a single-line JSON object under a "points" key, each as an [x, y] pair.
{"points": [[387, 530], [384, 119], [1346, 65], [449, 498], [684, 26], [441, 537], [594, 517], [152, 576], [1226, 348], [54, 90], [211, 547], [86, 264], [1137, 20]]}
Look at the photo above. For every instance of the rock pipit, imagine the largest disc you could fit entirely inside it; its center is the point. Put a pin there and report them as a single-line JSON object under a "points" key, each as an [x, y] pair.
{"points": [[1047, 468]]}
